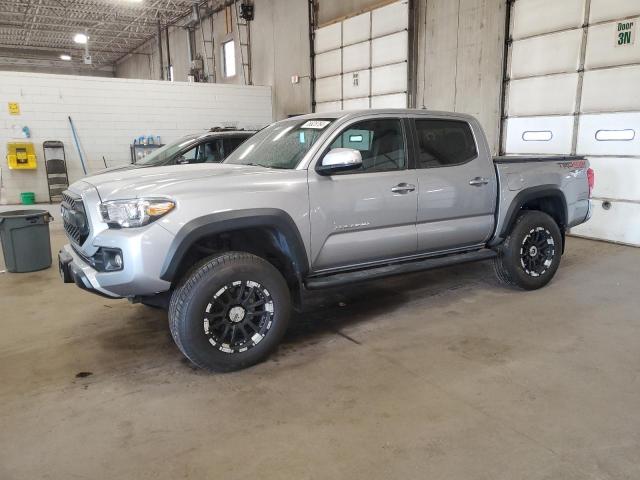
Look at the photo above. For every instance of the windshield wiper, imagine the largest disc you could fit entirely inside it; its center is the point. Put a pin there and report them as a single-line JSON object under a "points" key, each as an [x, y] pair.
{"points": [[253, 165]]}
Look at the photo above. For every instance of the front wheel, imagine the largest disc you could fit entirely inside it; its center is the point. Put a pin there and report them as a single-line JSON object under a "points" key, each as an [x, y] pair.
{"points": [[230, 312], [530, 255]]}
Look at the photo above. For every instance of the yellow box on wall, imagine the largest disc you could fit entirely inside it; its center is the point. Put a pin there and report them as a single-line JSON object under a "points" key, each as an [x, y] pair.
{"points": [[21, 156]]}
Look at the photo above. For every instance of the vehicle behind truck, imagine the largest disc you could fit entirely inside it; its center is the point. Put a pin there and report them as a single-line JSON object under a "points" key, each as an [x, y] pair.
{"points": [[314, 202]]}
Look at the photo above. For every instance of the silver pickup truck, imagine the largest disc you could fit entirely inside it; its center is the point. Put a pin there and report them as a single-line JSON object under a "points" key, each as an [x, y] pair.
{"points": [[312, 202]]}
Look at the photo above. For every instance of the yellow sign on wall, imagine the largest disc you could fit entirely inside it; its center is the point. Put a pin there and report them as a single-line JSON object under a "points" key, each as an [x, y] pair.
{"points": [[14, 108]]}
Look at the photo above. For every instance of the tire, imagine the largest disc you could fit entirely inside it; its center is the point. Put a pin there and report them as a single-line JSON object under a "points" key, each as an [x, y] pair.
{"points": [[530, 255], [230, 312]]}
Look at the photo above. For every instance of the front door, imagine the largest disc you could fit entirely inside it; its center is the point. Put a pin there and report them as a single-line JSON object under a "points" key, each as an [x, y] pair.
{"points": [[457, 186], [369, 214]]}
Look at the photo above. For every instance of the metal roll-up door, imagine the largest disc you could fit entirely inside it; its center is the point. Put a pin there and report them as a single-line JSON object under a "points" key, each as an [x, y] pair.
{"points": [[572, 88], [361, 62]]}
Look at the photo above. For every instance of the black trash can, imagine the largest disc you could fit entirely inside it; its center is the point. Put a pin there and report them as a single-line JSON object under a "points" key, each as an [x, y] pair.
{"points": [[25, 240]]}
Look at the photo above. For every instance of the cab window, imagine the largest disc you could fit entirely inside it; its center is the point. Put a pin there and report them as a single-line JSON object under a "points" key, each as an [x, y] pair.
{"points": [[380, 142], [231, 143], [207, 152], [443, 143]]}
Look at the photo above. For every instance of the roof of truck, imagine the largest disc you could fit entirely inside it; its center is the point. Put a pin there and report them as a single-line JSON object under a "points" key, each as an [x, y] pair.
{"points": [[385, 111]]}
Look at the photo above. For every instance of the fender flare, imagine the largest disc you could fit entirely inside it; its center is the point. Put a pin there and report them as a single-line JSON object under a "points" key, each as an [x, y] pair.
{"points": [[527, 195], [287, 235]]}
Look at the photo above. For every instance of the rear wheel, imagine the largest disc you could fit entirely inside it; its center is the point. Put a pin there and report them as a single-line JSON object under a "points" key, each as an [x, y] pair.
{"points": [[530, 255], [231, 312]]}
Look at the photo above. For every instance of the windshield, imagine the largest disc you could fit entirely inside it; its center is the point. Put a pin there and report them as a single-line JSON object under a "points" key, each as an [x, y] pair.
{"points": [[281, 145], [164, 154]]}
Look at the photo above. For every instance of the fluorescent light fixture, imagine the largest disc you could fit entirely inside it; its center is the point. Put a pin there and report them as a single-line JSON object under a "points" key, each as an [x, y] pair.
{"points": [[66, 57], [80, 38]]}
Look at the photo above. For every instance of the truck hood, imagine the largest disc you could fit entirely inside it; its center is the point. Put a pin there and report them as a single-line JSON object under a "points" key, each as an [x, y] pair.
{"points": [[138, 182]]}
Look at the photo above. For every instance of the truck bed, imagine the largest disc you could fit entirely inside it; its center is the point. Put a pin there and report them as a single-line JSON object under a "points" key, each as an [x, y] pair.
{"points": [[521, 177], [538, 158]]}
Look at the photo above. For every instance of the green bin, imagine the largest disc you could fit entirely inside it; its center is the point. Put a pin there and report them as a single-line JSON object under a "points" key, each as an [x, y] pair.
{"points": [[25, 240], [28, 198]]}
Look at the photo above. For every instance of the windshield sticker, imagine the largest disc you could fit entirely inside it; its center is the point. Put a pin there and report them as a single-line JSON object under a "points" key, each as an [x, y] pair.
{"points": [[316, 124]]}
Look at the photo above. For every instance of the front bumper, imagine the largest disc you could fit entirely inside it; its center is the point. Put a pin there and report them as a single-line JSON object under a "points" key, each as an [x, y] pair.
{"points": [[73, 269], [143, 252]]}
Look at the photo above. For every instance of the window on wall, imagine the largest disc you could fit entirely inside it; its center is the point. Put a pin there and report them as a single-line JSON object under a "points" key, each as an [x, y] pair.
{"points": [[229, 56]]}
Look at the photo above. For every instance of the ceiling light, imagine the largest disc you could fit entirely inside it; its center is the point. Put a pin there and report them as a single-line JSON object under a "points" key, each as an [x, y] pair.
{"points": [[80, 38], [64, 56]]}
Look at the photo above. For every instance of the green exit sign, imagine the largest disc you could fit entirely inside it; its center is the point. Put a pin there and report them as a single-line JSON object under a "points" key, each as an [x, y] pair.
{"points": [[626, 33]]}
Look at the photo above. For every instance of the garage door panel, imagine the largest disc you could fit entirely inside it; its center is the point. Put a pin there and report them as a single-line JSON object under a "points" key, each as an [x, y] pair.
{"points": [[362, 56], [328, 106], [534, 17], [602, 10], [389, 79], [356, 57], [328, 63], [328, 38], [396, 100], [603, 50], [616, 178], [609, 134], [389, 19], [548, 95], [620, 222], [329, 89], [533, 56], [539, 135], [389, 49], [356, 103], [356, 84], [356, 29], [611, 89]]}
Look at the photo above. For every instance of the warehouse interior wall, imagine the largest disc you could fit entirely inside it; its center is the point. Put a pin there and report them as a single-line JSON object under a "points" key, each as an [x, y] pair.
{"points": [[107, 123], [31, 60], [460, 58], [333, 10], [457, 62], [279, 50]]}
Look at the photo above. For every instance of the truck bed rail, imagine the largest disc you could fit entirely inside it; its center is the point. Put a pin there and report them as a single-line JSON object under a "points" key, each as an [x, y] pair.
{"points": [[537, 158]]}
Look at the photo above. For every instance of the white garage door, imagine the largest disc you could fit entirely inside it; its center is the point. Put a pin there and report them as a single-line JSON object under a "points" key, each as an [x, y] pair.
{"points": [[361, 62], [574, 88]]}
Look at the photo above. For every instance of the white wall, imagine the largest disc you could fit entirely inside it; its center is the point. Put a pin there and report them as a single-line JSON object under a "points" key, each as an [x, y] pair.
{"points": [[460, 59], [108, 113]]}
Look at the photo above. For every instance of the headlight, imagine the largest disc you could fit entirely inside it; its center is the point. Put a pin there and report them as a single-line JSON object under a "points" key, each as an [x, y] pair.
{"points": [[136, 212]]}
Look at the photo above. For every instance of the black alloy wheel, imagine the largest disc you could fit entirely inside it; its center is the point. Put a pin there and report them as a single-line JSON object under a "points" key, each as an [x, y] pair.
{"points": [[537, 251], [238, 316]]}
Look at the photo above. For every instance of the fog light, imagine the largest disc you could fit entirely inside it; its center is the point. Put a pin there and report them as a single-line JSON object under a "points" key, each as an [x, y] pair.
{"points": [[108, 260], [115, 262]]}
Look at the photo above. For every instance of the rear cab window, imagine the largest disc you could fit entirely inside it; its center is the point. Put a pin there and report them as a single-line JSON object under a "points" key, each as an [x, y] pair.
{"points": [[443, 143]]}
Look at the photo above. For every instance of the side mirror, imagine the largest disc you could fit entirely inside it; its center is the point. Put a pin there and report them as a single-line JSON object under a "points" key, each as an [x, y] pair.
{"points": [[339, 160], [181, 160]]}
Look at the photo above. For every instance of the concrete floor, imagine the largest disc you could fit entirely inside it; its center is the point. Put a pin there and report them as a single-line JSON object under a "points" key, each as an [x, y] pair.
{"points": [[441, 375]]}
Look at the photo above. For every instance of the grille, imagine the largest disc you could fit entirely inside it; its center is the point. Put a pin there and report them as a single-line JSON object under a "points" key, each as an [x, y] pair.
{"points": [[74, 218]]}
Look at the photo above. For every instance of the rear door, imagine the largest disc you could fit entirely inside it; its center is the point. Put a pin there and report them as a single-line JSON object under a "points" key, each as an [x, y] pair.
{"points": [[457, 185], [369, 214]]}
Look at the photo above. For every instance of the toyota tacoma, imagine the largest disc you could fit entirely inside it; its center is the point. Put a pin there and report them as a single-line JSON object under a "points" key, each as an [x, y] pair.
{"points": [[312, 202]]}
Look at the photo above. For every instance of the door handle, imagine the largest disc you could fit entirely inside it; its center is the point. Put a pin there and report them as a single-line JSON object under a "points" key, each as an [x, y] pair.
{"points": [[403, 188], [478, 181]]}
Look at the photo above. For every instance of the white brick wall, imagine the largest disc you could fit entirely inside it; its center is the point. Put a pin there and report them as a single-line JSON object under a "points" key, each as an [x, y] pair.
{"points": [[108, 114]]}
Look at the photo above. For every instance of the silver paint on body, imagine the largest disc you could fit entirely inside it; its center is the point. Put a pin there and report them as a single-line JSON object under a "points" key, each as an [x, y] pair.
{"points": [[345, 221]]}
